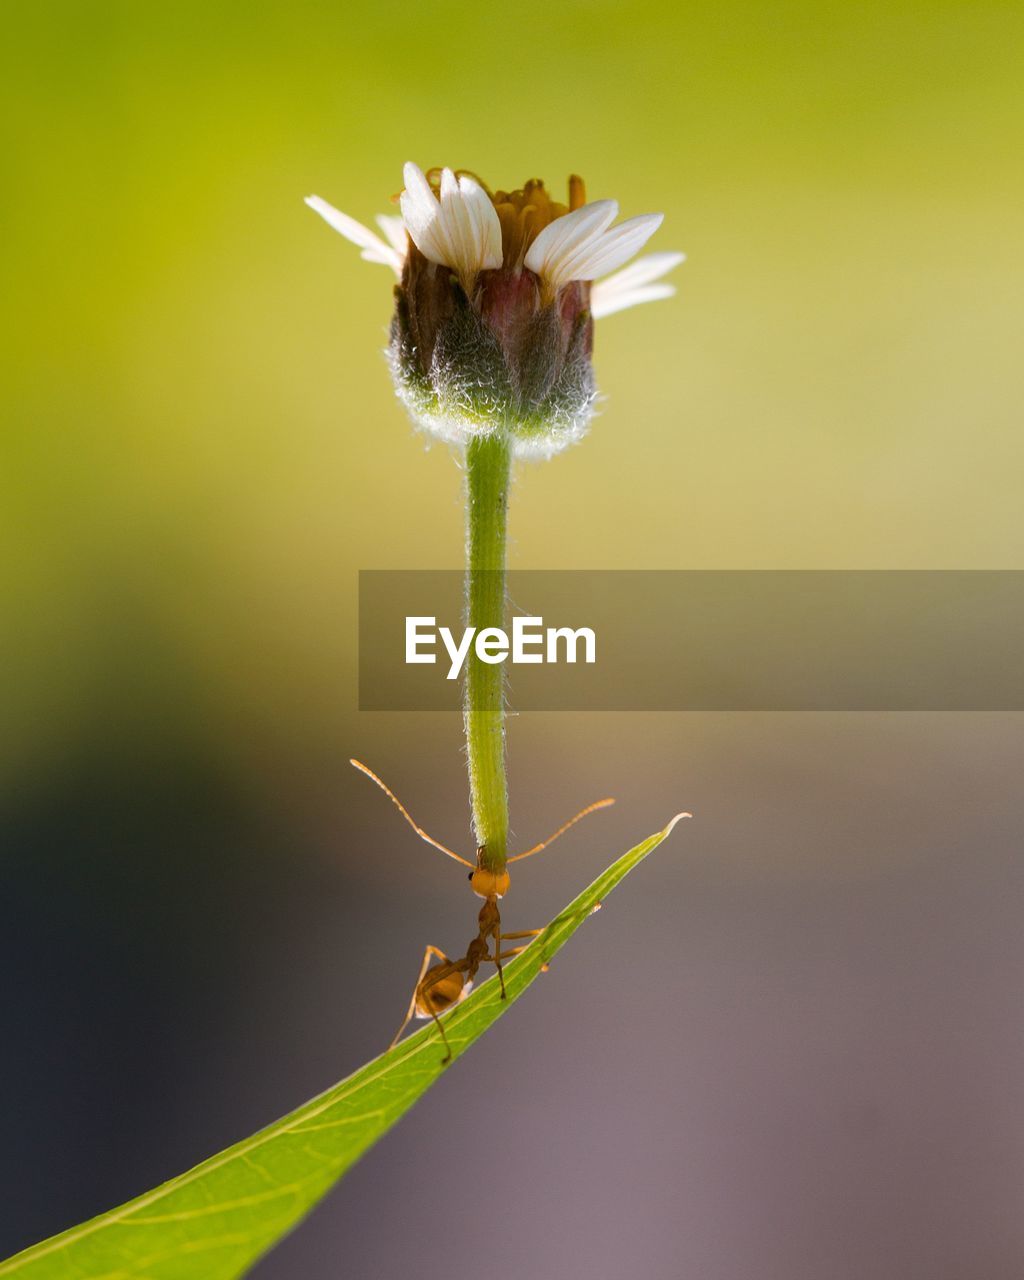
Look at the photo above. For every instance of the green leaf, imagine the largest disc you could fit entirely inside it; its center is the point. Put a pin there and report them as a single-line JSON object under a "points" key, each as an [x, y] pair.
{"points": [[218, 1218]]}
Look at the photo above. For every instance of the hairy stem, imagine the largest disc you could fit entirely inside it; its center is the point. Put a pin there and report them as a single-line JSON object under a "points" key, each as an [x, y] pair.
{"points": [[488, 470]]}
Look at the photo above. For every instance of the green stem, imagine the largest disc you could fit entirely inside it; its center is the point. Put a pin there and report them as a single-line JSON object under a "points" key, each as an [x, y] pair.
{"points": [[488, 471]]}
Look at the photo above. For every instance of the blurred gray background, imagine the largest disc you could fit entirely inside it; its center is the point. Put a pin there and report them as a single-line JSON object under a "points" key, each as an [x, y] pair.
{"points": [[790, 1046]]}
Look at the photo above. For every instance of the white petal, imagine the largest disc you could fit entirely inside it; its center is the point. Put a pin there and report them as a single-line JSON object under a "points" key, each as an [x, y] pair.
{"points": [[374, 249], [457, 227], [395, 232], [486, 222], [634, 285], [604, 303], [460, 231], [612, 248], [652, 266], [421, 214], [565, 235]]}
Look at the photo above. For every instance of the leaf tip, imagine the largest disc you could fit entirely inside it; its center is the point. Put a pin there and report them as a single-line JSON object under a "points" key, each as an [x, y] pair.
{"points": [[678, 818]]}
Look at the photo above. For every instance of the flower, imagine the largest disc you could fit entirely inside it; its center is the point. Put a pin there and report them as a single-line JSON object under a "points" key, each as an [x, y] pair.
{"points": [[497, 295]]}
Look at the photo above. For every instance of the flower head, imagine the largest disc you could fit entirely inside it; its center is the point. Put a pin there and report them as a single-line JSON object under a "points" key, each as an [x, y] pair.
{"points": [[497, 295]]}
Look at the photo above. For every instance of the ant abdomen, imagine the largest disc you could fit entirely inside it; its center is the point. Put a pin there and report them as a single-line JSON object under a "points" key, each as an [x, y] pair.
{"points": [[434, 997]]}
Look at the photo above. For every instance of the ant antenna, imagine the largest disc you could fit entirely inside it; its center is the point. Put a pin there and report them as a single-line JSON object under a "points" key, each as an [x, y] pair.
{"points": [[598, 804], [358, 764]]}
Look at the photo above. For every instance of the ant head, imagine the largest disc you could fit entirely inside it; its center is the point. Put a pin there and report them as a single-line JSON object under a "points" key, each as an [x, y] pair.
{"points": [[435, 997], [489, 884]]}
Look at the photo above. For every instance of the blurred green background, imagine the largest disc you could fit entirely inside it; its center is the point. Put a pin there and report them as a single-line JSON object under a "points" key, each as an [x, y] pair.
{"points": [[201, 451], [203, 448]]}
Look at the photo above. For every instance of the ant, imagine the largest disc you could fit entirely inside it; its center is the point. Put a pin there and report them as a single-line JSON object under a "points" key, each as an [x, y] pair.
{"points": [[444, 984], [447, 983]]}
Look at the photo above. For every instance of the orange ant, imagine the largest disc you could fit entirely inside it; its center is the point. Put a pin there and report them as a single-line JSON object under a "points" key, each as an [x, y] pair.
{"points": [[444, 984], [447, 983]]}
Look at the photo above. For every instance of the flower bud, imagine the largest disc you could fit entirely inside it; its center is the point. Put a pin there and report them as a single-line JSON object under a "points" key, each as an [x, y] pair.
{"points": [[493, 328]]}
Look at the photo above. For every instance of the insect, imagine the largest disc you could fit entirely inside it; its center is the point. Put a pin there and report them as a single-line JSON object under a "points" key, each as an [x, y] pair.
{"points": [[442, 985], [445, 984]]}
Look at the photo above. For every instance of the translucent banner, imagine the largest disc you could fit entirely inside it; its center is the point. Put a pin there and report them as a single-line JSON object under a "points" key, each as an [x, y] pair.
{"points": [[663, 640]]}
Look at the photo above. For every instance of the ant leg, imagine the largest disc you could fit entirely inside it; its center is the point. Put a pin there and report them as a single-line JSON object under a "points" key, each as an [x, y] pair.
{"points": [[437, 954], [448, 1049], [500, 955], [535, 933], [512, 937], [529, 933], [497, 958], [507, 955]]}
